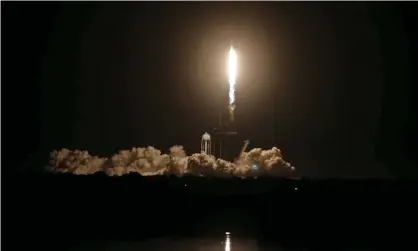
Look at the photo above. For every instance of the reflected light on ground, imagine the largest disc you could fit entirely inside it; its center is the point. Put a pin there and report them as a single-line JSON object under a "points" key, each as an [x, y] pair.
{"points": [[227, 242]]}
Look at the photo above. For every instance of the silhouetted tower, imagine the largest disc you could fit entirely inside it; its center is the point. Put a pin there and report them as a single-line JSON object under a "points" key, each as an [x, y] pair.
{"points": [[205, 144], [222, 136]]}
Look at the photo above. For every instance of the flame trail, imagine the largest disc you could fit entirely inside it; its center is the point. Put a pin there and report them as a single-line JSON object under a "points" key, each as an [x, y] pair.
{"points": [[227, 242], [232, 71]]}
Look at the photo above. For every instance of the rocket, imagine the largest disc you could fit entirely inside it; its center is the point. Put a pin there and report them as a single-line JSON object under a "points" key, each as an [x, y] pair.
{"points": [[231, 109], [232, 72]]}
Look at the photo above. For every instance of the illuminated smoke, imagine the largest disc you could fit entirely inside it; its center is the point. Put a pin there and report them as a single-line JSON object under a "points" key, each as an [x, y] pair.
{"points": [[150, 161]]}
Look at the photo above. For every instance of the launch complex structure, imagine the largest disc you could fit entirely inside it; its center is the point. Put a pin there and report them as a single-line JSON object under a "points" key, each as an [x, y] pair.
{"points": [[222, 134]]}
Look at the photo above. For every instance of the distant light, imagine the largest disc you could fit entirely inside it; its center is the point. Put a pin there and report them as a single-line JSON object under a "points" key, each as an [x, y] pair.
{"points": [[185, 185], [255, 167], [227, 232], [296, 189]]}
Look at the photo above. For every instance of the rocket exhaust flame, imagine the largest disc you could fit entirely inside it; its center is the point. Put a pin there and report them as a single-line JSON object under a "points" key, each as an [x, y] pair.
{"points": [[232, 72]]}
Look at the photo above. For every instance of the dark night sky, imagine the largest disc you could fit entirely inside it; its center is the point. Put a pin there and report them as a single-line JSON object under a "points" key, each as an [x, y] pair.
{"points": [[331, 84]]}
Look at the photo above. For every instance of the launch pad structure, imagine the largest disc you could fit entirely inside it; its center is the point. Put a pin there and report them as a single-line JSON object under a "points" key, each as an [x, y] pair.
{"points": [[222, 134]]}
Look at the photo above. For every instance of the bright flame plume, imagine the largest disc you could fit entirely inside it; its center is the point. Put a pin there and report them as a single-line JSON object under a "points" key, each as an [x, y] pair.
{"points": [[232, 73]]}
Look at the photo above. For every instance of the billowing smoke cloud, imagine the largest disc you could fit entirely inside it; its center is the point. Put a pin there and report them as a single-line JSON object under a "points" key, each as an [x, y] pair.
{"points": [[150, 161]]}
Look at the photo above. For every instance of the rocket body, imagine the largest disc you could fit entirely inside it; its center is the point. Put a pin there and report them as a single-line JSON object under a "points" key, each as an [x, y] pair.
{"points": [[231, 110]]}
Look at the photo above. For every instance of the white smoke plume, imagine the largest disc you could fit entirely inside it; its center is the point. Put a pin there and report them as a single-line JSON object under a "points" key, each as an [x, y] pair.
{"points": [[150, 161]]}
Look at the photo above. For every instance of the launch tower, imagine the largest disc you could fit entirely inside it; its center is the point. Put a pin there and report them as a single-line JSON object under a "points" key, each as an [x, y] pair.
{"points": [[222, 137], [205, 144]]}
